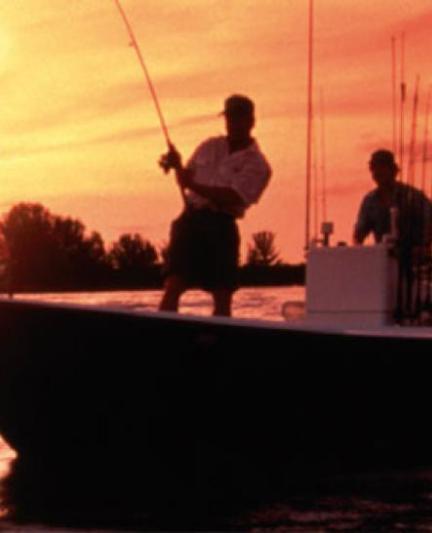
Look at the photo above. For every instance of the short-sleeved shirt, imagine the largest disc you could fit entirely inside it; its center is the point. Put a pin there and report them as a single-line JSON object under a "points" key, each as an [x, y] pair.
{"points": [[245, 171], [414, 215]]}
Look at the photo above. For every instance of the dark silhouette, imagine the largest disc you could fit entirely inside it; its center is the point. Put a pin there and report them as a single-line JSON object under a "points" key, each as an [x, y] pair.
{"points": [[48, 251], [222, 179], [272, 276], [40, 251], [414, 210], [132, 253], [4, 265], [163, 253], [263, 252], [134, 262], [154, 424], [406, 212]]}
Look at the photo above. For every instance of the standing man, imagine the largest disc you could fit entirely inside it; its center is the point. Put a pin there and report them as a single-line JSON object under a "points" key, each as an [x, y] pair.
{"points": [[413, 208], [224, 176]]}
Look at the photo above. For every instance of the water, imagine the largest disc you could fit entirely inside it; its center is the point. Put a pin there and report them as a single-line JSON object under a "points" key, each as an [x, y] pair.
{"points": [[257, 303], [384, 501]]}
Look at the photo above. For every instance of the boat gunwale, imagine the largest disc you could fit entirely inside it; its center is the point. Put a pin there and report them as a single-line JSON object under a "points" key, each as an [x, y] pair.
{"points": [[296, 326]]}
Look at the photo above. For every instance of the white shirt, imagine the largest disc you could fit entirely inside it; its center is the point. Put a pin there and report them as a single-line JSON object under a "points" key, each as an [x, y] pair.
{"points": [[245, 171]]}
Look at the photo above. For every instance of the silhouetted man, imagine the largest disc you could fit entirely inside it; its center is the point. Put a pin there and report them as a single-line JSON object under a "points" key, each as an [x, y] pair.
{"points": [[224, 176], [413, 208]]}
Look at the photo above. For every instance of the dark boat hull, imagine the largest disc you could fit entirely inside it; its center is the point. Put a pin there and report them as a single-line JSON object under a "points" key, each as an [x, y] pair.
{"points": [[166, 406]]}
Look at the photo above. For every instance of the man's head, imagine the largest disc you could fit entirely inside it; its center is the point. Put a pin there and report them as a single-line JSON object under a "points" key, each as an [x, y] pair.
{"points": [[383, 168], [239, 116]]}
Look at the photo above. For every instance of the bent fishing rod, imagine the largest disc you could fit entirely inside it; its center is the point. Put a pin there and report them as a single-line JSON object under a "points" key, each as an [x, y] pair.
{"points": [[135, 45]]}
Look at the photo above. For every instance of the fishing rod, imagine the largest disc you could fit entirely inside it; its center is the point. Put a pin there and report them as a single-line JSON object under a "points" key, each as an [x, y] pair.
{"points": [[134, 44], [136, 47]]}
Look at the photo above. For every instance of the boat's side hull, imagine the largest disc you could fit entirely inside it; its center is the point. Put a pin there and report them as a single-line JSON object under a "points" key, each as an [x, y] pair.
{"points": [[204, 405]]}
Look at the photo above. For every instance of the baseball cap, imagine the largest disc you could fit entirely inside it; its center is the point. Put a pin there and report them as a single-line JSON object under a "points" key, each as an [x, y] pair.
{"points": [[238, 104], [383, 157]]}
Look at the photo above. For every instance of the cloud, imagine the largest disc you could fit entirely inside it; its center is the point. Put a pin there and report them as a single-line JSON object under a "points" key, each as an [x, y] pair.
{"points": [[115, 137], [122, 135]]}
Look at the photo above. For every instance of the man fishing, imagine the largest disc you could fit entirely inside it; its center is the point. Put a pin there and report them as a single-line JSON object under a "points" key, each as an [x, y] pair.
{"points": [[224, 176], [413, 208]]}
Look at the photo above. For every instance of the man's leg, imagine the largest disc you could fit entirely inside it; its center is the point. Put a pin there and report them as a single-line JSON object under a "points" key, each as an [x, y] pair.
{"points": [[174, 288], [222, 302]]}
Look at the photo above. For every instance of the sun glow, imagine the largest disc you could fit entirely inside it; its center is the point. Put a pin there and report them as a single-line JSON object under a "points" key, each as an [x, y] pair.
{"points": [[79, 132]]}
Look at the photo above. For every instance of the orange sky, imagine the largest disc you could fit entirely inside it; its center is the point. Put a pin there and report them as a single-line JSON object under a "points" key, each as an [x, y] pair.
{"points": [[79, 132]]}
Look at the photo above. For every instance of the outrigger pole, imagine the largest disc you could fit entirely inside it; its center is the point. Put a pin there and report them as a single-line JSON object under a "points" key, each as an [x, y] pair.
{"points": [[402, 107], [402, 281], [425, 158], [323, 158], [135, 45], [309, 126], [393, 50], [425, 155], [412, 151]]}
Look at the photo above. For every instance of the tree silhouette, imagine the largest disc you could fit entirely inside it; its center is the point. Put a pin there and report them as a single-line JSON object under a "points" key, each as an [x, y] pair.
{"points": [[4, 263], [262, 252], [163, 252], [27, 230], [132, 253], [80, 257], [46, 250]]}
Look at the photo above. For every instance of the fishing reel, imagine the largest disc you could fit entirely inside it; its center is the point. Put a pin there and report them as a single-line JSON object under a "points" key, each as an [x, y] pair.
{"points": [[172, 159]]}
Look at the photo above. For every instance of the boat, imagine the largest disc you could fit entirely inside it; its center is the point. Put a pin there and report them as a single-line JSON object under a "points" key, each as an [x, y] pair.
{"points": [[211, 408], [113, 413]]}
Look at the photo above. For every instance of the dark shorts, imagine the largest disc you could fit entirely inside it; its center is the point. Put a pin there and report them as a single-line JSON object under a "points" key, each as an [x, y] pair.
{"points": [[204, 250]]}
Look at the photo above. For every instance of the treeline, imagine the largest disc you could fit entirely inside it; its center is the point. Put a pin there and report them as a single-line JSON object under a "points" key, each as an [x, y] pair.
{"points": [[40, 251]]}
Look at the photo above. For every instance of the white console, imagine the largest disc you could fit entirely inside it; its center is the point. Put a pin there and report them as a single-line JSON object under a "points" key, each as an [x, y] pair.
{"points": [[351, 285]]}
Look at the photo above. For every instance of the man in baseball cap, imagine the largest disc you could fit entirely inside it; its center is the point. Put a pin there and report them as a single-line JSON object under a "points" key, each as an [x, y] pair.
{"points": [[225, 175], [238, 104], [413, 208], [384, 158]]}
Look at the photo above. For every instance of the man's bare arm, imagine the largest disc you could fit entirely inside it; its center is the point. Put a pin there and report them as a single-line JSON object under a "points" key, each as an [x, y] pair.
{"points": [[223, 197]]}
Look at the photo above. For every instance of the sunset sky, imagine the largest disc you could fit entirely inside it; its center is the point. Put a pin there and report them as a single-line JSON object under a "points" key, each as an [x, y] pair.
{"points": [[79, 132]]}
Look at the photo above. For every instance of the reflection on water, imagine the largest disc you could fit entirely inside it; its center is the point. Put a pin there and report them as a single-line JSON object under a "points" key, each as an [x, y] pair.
{"points": [[370, 503], [7, 455], [264, 303]]}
